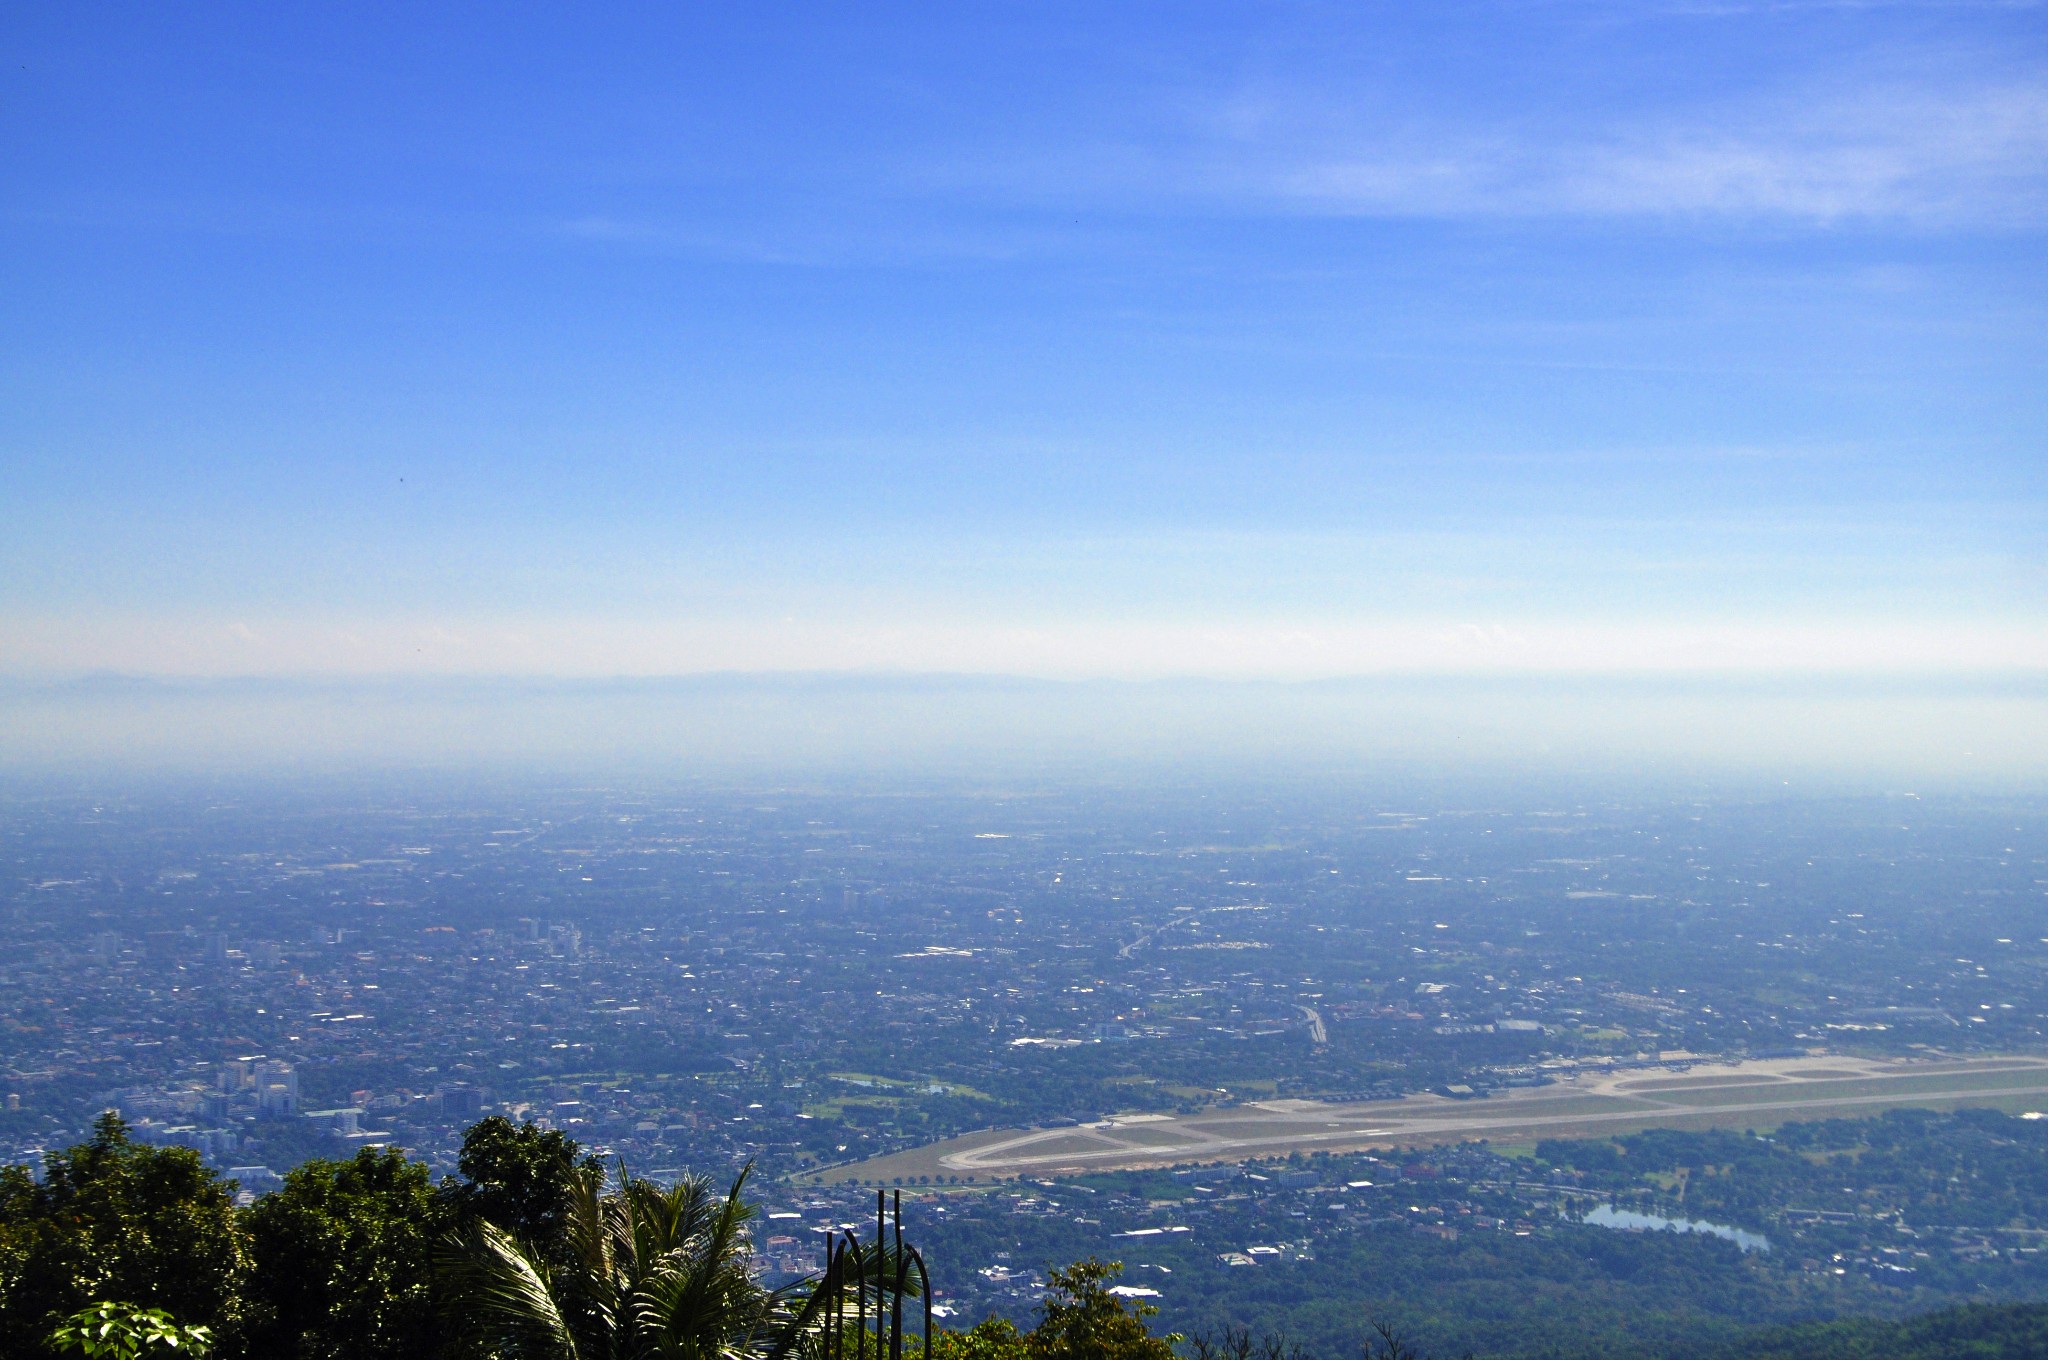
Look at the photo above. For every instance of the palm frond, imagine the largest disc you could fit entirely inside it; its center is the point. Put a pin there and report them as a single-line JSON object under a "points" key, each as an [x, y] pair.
{"points": [[643, 1273], [701, 1300], [508, 1302]]}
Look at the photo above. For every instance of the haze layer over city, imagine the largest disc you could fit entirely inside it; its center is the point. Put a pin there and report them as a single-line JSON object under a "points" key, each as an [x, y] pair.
{"points": [[1389, 666]]}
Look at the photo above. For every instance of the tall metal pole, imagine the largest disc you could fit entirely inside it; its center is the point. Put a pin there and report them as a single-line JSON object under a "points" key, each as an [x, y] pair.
{"points": [[860, 1295], [831, 1289], [881, 1278], [924, 1290], [839, 1306], [896, 1294]]}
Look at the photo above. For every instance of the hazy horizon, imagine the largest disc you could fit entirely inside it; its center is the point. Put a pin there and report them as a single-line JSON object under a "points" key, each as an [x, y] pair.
{"points": [[1822, 736]]}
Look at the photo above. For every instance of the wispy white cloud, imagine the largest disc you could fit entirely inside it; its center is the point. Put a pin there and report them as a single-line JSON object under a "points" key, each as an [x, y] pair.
{"points": [[1933, 147], [1980, 157]]}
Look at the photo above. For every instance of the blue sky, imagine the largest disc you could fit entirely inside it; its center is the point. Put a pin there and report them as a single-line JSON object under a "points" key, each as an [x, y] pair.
{"points": [[1071, 341]]}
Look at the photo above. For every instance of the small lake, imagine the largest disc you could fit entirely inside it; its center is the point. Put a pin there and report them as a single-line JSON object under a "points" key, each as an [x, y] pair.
{"points": [[1607, 1216]]}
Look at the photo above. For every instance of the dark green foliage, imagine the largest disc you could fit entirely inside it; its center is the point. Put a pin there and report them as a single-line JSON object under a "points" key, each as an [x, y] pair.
{"points": [[115, 1219], [121, 1331], [519, 1177], [343, 1261], [646, 1272], [1584, 1292], [2012, 1332], [1081, 1320], [1238, 1343], [993, 1338], [1597, 1155]]}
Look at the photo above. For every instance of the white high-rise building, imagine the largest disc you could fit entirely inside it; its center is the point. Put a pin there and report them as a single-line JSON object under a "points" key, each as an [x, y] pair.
{"points": [[277, 1089]]}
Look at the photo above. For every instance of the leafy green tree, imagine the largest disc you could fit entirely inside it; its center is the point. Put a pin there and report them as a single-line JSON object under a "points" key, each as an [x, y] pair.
{"points": [[520, 1178], [343, 1261], [121, 1331], [995, 1338], [115, 1219], [645, 1272], [1081, 1320]]}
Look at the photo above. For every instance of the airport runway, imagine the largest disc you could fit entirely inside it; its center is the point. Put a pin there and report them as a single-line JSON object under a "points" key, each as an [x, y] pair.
{"points": [[1762, 1093]]}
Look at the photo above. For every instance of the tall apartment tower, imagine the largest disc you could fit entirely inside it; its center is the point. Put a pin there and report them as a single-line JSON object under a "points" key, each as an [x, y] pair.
{"points": [[277, 1090]]}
